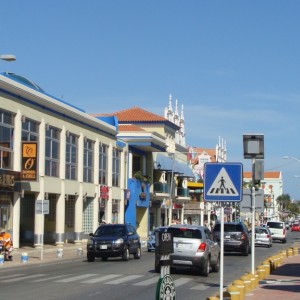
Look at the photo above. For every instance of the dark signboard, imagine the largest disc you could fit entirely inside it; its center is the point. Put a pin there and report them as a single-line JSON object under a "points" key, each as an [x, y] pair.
{"points": [[164, 243]]}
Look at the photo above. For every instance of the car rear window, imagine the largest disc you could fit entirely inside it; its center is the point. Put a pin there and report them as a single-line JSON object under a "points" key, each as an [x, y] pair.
{"points": [[186, 233], [276, 225], [230, 227], [261, 230]]}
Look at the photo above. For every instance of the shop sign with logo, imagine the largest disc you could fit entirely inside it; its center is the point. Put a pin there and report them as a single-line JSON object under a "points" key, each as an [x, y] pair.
{"points": [[29, 161]]}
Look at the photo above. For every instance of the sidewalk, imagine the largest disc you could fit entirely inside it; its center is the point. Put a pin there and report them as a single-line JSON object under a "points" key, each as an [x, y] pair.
{"points": [[282, 283], [50, 253]]}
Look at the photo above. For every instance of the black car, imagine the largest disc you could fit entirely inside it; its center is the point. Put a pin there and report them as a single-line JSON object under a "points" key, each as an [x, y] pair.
{"points": [[114, 240], [236, 237]]}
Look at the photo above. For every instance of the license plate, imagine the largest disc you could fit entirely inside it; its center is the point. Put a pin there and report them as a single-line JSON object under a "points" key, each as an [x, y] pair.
{"points": [[227, 236], [103, 246]]}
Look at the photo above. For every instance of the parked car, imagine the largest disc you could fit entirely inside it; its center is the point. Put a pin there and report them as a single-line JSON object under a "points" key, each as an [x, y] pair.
{"points": [[151, 239], [278, 230], [263, 236], [295, 227], [114, 240], [236, 237], [194, 247]]}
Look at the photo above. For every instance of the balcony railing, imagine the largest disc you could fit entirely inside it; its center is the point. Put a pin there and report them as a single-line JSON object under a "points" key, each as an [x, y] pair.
{"points": [[183, 192], [161, 187]]}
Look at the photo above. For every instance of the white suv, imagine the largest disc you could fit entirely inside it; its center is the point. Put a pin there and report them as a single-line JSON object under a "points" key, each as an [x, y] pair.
{"points": [[278, 230]]}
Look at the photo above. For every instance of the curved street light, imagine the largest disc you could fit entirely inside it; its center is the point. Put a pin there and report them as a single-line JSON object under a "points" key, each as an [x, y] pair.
{"points": [[291, 157], [8, 57]]}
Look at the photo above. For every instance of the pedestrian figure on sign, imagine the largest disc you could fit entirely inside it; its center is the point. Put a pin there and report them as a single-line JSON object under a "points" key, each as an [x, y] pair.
{"points": [[222, 185]]}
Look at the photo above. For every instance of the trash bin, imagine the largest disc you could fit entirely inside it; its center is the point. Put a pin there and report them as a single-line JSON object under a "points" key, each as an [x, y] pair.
{"points": [[24, 257], [59, 253]]}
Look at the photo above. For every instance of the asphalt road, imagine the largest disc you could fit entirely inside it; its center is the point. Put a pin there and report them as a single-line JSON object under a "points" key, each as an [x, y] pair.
{"points": [[115, 279]]}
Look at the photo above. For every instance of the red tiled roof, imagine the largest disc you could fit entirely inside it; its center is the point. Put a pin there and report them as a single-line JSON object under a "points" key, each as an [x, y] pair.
{"points": [[130, 127], [135, 114], [275, 174]]}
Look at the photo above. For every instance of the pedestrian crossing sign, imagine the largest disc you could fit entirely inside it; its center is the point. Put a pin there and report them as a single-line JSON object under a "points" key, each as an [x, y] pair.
{"points": [[223, 182]]}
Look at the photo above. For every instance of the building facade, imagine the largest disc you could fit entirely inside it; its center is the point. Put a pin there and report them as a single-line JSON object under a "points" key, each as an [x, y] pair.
{"points": [[62, 171]]}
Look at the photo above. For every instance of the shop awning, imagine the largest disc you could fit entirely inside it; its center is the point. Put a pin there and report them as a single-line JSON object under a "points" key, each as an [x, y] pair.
{"points": [[187, 170], [162, 162], [165, 163]]}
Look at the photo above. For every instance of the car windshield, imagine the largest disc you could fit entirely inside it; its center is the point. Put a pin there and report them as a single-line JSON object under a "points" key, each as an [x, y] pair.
{"points": [[110, 231], [185, 233]]}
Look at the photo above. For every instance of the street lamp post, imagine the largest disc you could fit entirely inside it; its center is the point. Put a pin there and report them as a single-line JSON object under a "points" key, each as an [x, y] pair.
{"points": [[253, 149], [8, 57]]}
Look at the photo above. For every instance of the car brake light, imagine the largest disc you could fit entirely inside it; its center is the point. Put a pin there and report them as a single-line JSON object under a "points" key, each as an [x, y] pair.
{"points": [[268, 236], [201, 247], [243, 236], [284, 231]]}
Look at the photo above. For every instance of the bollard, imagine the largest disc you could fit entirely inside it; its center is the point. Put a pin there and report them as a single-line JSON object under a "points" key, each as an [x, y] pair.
{"points": [[295, 251], [290, 252], [240, 285], [283, 252], [79, 251], [261, 271], [24, 258], [226, 296], [266, 265], [252, 280], [272, 264], [247, 283], [59, 253], [1, 259], [234, 292], [256, 279]]}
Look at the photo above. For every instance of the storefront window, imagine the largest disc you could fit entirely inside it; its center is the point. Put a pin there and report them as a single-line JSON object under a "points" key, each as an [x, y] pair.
{"points": [[52, 151]]}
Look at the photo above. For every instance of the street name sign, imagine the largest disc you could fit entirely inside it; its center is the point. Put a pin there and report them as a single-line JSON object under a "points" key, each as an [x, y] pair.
{"points": [[223, 182]]}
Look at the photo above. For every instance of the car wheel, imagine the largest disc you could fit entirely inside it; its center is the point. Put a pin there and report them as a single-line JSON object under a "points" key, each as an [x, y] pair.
{"points": [[137, 254], [104, 258], [246, 251], [206, 270], [216, 267], [284, 241], [125, 256], [90, 258]]}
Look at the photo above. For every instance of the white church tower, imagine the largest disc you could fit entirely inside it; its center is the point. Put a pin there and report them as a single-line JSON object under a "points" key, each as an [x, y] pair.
{"points": [[178, 119]]}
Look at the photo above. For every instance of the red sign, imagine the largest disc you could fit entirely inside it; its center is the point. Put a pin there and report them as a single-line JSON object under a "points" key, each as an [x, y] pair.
{"points": [[104, 192]]}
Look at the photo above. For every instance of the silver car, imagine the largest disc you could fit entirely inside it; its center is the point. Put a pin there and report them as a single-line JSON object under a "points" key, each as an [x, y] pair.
{"points": [[194, 247], [263, 236]]}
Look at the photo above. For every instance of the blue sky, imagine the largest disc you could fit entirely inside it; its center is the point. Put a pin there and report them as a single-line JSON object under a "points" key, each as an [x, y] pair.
{"points": [[234, 65]]}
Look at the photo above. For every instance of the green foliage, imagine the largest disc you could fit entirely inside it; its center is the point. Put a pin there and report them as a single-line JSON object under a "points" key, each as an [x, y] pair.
{"points": [[144, 178]]}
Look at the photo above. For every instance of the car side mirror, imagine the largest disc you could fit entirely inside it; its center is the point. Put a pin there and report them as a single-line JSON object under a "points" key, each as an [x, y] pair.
{"points": [[91, 234]]}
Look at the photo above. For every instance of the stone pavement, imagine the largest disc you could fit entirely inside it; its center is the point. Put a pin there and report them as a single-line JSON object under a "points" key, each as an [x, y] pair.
{"points": [[282, 283]]}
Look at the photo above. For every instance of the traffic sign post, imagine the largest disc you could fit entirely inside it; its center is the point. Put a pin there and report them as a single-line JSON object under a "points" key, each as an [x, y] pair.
{"points": [[223, 182]]}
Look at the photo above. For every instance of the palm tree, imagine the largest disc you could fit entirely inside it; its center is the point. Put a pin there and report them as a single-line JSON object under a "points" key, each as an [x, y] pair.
{"points": [[284, 201]]}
